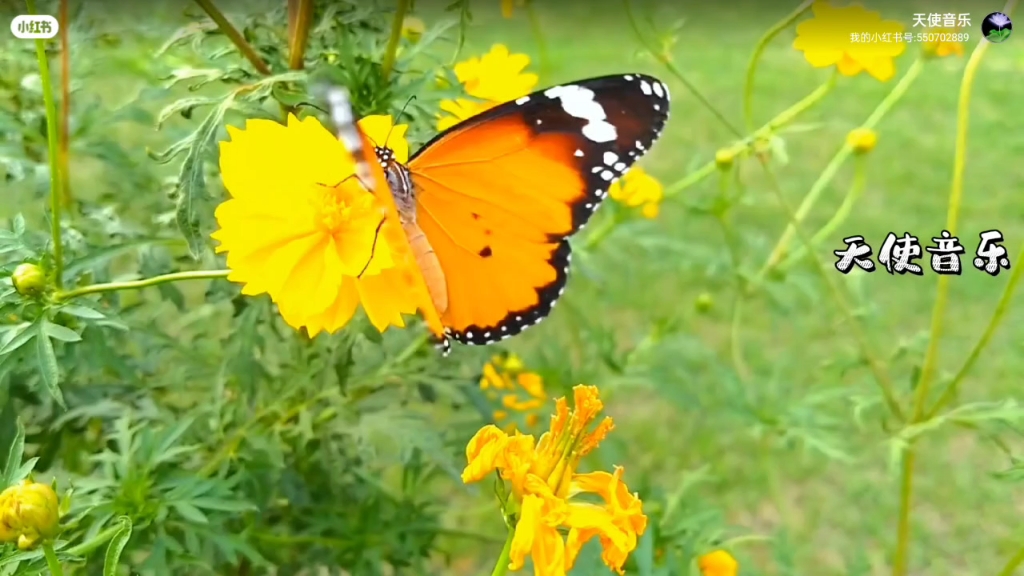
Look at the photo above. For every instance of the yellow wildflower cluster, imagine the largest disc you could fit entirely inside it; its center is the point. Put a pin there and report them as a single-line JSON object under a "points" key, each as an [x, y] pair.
{"points": [[545, 485], [506, 381], [638, 188], [492, 79], [29, 512]]}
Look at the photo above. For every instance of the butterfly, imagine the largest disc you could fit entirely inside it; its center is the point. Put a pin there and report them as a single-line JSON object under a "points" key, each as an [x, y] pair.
{"points": [[488, 205]]}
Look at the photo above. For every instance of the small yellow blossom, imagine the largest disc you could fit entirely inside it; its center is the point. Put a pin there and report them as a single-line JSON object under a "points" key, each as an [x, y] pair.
{"points": [[724, 158], [28, 279], [506, 382], [638, 188], [545, 485], [413, 28], [718, 563], [940, 48], [827, 39], [301, 228], [29, 512], [862, 140], [460, 109], [492, 79]]}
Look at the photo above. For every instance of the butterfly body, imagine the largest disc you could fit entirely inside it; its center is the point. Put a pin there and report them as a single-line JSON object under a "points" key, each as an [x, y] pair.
{"points": [[489, 204]]}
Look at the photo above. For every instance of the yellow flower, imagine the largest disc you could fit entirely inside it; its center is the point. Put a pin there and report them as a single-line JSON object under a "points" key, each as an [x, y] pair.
{"points": [[942, 48], [413, 28], [459, 110], [301, 228], [506, 379], [496, 76], [862, 140], [638, 188], [827, 39], [718, 563], [29, 511], [545, 485]]}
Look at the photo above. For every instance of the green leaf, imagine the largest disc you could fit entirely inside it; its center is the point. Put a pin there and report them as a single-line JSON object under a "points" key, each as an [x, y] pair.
{"points": [[190, 512], [62, 333], [116, 546], [185, 107], [82, 312], [14, 443], [15, 337], [48, 369], [191, 189]]}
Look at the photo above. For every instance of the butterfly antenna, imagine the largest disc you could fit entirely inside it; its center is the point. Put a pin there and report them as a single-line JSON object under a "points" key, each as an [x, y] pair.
{"points": [[400, 114]]}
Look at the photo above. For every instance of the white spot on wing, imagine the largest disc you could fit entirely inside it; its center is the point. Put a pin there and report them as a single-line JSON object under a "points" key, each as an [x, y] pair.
{"points": [[659, 90], [523, 100], [607, 175], [578, 154], [579, 102], [610, 157], [645, 87]]}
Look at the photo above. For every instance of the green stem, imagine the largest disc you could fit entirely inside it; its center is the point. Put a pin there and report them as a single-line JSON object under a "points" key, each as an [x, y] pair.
{"points": [[755, 58], [300, 17], [997, 318], [664, 59], [501, 566], [878, 370], [100, 539], [396, 34], [1013, 563], [836, 162], [51, 560], [235, 36], [144, 283], [901, 557], [780, 120], [845, 209], [52, 144], [722, 215]]}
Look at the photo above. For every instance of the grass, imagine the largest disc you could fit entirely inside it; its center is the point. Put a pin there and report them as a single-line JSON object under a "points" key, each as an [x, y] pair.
{"points": [[824, 513]]}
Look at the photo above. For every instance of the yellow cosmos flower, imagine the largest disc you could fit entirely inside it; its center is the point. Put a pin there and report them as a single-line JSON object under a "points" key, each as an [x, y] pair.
{"points": [[505, 380], [862, 140], [718, 563], [826, 40], [545, 485], [638, 188], [29, 512], [301, 228], [496, 76], [943, 48], [459, 110]]}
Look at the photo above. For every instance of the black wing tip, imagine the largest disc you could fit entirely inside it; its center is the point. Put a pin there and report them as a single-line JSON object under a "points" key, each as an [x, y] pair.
{"points": [[518, 321]]}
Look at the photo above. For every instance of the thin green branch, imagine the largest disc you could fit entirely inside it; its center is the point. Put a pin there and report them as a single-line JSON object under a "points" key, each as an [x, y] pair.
{"points": [[501, 565], [998, 315], [52, 144], [51, 560], [300, 18], [755, 58], [391, 52], [1013, 563], [65, 102], [143, 283], [837, 161], [664, 59], [770, 127], [235, 36]]}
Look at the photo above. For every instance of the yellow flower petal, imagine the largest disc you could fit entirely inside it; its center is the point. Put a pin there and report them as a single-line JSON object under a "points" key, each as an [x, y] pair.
{"points": [[382, 131], [458, 110], [483, 453], [718, 563], [827, 39]]}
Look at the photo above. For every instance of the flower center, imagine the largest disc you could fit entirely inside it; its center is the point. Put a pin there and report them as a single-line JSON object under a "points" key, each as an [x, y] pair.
{"points": [[333, 209]]}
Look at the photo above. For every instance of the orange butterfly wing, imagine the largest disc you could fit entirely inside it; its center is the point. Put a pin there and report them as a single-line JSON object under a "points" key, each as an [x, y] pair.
{"points": [[499, 194]]}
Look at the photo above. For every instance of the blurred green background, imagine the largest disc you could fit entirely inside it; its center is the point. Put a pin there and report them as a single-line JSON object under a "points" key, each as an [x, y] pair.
{"points": [[780, 456]]}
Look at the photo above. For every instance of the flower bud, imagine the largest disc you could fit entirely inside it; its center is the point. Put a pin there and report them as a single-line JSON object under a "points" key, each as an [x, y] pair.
{"points": [[718, 563], [862, 140], [704, 302], [29, 511], [724, 158], [413, 28], [28, 279]]}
